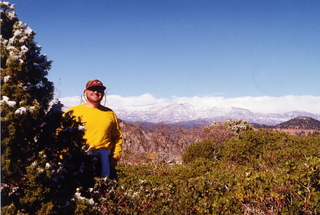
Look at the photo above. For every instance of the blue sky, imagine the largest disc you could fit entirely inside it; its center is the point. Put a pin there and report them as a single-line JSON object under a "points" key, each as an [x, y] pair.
{"points": [[180, 48]]}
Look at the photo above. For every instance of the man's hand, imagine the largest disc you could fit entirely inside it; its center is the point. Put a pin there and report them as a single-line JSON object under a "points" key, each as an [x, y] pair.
{"points": [[113, 162]]}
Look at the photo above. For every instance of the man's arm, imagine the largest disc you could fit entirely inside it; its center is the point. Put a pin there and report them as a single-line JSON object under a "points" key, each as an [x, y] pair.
{"points": [[117, 143]]}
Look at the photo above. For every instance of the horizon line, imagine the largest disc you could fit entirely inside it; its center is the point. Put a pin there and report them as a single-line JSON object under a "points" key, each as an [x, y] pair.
{"points": [[259, 104]]}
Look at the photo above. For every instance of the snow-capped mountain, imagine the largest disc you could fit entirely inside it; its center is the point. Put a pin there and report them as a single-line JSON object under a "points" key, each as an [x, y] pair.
{"points": [[184, 112]]}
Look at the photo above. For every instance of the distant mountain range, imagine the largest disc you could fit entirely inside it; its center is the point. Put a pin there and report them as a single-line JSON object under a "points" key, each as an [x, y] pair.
{"points": [[184, 113]]}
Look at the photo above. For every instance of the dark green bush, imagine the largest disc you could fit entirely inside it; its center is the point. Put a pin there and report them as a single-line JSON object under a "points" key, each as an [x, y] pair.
{"points": [[280, 174], [205, 149], [268, 147]]}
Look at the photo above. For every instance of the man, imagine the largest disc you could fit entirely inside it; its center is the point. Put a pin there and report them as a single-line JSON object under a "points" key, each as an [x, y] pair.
{"points": [[102, 131]]}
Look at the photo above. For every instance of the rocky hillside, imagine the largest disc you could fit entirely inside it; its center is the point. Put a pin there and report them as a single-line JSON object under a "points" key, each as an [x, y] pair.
{"points": [[300, 123]]}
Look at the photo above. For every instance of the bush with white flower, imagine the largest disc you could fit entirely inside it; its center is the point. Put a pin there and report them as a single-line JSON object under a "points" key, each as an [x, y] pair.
{"points": [[42, 160]]}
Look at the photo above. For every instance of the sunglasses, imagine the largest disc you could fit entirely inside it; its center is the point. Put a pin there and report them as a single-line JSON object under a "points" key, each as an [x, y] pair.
{"points": [[98, 89]]}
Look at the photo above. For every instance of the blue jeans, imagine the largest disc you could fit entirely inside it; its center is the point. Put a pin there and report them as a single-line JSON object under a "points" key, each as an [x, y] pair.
{"points": [[104, 156], [105, 166]]}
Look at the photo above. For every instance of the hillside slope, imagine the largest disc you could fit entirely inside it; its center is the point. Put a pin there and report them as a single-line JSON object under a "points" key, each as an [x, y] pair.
{"points": [[300, 123]]}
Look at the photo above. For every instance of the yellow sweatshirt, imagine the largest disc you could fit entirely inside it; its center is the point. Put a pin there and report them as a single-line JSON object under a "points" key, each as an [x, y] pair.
{"points": [[102, 130]]}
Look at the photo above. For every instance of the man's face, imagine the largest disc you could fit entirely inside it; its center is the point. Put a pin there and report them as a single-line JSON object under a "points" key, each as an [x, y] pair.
{"points": [[94, 94]]}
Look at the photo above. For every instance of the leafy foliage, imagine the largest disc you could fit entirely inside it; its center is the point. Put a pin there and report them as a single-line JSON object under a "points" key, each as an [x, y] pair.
{"points": [[280, 174], [205, 149]]}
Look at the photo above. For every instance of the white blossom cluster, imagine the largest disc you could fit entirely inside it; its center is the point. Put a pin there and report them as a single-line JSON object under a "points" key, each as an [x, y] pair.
{"points": [[19, 44], [17, 50], [11, 14], [20, 110], [15, 45], [238, 126], [23, 110], [6, 78], [6, 100], [77, 196]]}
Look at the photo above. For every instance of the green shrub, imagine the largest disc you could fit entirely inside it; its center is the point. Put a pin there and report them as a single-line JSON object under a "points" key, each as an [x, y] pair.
{"points": [[41, 165], [205, 149], [269, 147], [282, 176], [278, 175]]}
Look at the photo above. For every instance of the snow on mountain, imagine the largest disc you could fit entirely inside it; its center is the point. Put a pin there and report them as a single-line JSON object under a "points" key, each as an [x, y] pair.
{"points": [[185, 112]]}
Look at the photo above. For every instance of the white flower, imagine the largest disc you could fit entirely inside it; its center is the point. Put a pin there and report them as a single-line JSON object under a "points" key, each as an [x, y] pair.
{"points": [[24, 49], [28, 30], [22, 24], [12, 7], [142, 181], [4, 41], [17, 32], [6, 3], [81, 128], [12, 14], [21, 110], [6, 78], [6, 100], [13, 55], [77, 195], [11, 48], [91, 201], [11, 40], [11, 103], [23, 39]]}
